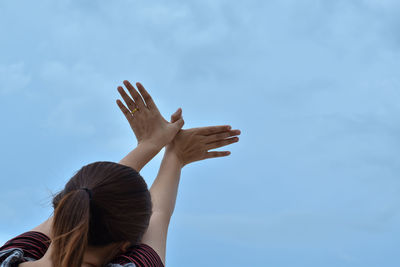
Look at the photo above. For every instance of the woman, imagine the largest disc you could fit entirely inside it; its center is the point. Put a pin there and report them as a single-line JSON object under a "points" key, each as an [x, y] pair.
{"points": [[105, 215]]}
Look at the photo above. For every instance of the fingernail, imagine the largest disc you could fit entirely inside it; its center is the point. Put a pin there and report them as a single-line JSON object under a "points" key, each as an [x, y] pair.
{"points": [[229, 127]]}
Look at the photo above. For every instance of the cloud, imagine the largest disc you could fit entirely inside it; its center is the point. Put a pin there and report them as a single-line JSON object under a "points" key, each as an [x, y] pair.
{"points": [[312, 84], [65, 119], [308, 229], [13, 78]]}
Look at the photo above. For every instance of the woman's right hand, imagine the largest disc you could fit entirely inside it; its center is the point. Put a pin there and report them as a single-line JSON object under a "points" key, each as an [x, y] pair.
{"points": [[192, 145]]}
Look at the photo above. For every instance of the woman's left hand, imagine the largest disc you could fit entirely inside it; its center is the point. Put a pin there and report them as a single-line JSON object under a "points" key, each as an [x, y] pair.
{"points": [[145, 119]]}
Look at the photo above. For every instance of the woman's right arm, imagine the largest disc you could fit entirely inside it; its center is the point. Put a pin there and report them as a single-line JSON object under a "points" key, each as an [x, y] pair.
{"points": [[163, 195], [187, 146]]}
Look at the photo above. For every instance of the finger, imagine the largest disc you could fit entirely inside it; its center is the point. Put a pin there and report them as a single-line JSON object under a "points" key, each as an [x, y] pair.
{"points": [[127, 113], [176, 115], [216, 154], [221, 136], [221, 143], [146, 96], [129, 102], [135, 95], [179, 123], [213, 129]]}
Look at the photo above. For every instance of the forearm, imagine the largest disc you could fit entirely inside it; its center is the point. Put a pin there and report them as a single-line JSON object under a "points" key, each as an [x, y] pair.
{"points": [[165, 187], [140, 156]]}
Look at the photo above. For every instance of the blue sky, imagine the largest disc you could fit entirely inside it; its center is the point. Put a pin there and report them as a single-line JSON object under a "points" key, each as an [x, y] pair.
{"points": [[313, 85]]}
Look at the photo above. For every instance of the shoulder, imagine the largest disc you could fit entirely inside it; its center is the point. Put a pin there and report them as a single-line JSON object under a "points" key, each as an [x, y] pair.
{"points": [[141, 255], [33, 244], [27, 246]]}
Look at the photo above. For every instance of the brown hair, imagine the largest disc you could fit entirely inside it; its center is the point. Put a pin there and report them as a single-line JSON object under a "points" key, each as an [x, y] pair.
{"points": [[103, 203]]}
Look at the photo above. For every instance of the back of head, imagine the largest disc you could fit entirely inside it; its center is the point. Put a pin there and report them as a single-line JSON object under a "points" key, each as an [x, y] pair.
{"points": [[103, 203]]}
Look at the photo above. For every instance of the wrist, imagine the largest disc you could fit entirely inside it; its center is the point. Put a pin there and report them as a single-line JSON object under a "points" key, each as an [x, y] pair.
{"points": [[150, 146], [172, 154]]}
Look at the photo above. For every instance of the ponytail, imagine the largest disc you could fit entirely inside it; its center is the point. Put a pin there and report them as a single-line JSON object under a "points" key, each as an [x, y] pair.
{"points": [[118, 212], [70, 229]]}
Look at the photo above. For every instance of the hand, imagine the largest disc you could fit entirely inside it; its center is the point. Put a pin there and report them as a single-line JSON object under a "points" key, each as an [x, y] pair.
{"points": [[193, 144], [147, 123]]}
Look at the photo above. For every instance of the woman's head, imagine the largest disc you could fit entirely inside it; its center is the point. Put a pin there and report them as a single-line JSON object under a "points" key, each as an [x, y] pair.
{"points": [[103, 203]]}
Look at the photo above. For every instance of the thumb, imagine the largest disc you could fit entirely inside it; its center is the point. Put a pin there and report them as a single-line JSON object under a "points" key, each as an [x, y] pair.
{"points": [[178, 114], [179, 123]]}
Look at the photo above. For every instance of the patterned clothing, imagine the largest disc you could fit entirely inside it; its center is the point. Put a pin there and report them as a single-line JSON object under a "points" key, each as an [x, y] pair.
{"points": [[31, 246]]}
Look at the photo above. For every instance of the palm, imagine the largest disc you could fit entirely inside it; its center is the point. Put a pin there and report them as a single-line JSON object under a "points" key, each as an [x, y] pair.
{"points": [[146, 120]]}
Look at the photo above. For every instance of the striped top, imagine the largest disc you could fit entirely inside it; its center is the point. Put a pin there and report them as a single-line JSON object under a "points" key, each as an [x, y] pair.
{"points": [[31, 246]]}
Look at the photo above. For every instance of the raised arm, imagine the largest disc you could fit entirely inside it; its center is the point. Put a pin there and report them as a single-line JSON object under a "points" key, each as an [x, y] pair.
{"points": [[187, 146], [152, 131]]}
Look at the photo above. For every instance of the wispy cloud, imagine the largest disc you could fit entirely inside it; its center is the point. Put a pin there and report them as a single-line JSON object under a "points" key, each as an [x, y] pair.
{"points": [[313, 85], [13, 78]]}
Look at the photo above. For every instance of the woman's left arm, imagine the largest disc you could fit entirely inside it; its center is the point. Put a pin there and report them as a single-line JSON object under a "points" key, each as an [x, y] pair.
{"points": [[152, 132]]}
